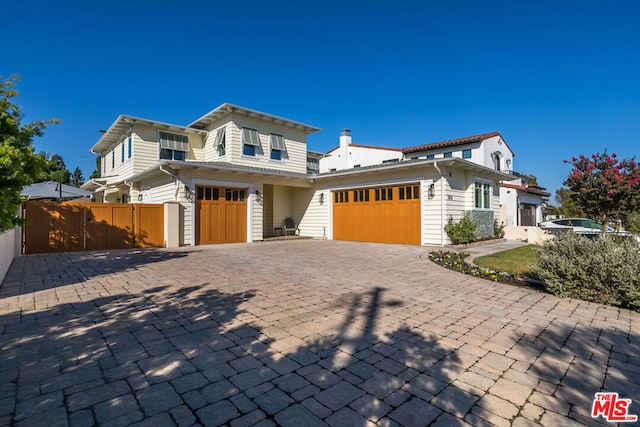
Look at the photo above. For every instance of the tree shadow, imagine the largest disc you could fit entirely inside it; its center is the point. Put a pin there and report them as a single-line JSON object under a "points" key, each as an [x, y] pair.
{"points": [[570, 362], [193, 355], [32, 273]]}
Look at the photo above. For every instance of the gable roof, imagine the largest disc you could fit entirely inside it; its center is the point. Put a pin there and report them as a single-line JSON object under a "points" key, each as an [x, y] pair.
{"points": [[454, 142], [227, 108], [122, 125]]}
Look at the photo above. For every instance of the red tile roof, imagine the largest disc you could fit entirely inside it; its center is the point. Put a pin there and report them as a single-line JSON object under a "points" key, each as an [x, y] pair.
{"points": [[532, 188], [368, 146], [453, 142]]}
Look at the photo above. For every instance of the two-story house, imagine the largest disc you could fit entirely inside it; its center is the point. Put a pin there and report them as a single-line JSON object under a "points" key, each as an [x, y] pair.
{"points": [[237, 173]]}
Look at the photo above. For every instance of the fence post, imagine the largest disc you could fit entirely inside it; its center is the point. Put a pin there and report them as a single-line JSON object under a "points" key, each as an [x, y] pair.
{"points": [[171, 224]]}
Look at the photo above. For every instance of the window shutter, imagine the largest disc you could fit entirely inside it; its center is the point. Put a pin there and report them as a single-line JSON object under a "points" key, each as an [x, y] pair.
{"points": [[220, 137], [250, 137], [277, 142], [173, 141]]}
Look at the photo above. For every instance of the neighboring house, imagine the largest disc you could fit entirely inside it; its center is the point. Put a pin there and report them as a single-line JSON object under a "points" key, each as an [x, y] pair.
{"points": [[237, 173]]}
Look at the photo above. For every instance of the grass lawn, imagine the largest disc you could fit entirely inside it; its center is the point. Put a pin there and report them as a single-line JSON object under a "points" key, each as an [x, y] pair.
{"points": [[515, 261]]}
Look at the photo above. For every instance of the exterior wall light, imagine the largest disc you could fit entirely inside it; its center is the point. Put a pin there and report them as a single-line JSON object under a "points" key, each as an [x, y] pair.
{"points": [[432, 191], [259, 197], [321, 198]]}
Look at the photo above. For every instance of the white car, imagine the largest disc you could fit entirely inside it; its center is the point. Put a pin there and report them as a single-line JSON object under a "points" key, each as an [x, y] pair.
{"points": [[582, 226], [578, 225]]}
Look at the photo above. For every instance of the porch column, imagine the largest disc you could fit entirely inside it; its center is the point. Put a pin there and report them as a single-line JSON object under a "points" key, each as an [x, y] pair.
{"points": [[171, 224]]}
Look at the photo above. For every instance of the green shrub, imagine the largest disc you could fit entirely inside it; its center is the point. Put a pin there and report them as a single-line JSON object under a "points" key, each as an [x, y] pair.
{"points": [[462, 231], [603, 270]]}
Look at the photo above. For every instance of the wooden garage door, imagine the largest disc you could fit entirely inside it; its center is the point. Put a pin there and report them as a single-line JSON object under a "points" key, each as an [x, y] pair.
{"points": [[381, 214], [221, 215]]}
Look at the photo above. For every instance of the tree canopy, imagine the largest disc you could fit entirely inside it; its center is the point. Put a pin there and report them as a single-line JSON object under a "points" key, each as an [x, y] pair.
{"points": [[19, 165], [604, 187]]}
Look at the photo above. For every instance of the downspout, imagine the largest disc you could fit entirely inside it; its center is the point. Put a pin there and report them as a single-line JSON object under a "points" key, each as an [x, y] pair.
{"points": [[130, 185], [435, 165], [175, 196]]}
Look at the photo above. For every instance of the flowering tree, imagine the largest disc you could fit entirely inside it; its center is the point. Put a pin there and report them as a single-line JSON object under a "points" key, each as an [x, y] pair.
{"points": [[605, 187]]}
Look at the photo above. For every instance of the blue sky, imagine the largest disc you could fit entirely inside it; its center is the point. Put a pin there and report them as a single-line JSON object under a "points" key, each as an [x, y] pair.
{"points": [[555, 78]]}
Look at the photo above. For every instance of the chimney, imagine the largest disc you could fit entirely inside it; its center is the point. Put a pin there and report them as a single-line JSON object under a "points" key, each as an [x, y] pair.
{"points": [[345, 138]]}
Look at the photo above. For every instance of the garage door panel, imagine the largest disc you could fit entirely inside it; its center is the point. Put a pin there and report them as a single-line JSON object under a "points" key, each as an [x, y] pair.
{"points": [[222, 215], [390, 215]]}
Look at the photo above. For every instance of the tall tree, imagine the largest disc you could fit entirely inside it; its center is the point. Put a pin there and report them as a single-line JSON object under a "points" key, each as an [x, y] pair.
{"points": [[19, 165], [55, 169], [97, 172], [604, 187], [77, 179], [567, 206]]}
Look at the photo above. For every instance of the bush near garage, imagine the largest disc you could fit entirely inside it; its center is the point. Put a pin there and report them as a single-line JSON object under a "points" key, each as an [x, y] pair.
{"points": [[603, 270]]}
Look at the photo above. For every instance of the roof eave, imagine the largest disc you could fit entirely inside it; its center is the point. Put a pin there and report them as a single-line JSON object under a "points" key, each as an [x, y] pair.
{"points": [[227, 108]]}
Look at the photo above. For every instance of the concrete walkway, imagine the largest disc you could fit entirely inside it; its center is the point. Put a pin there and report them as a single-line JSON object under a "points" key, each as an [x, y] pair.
{"points": [[298, 333]]}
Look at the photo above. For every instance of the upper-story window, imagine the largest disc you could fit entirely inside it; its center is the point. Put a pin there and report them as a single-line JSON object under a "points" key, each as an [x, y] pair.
{"points": [[277, 146], [497, 158], [113, 159], [313, 165], [250, 142], [430, 156], [221, 141], [448, 154], [482, 195], [129, 147], [122, 152], [466, 154], [173, 146]]}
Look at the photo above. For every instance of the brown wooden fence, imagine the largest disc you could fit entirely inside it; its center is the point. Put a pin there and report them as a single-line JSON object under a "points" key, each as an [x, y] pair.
{"points": [[69, 227]]}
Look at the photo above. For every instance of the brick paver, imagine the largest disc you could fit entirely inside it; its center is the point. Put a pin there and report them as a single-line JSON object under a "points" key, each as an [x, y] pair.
{"points": [[298, 333]]}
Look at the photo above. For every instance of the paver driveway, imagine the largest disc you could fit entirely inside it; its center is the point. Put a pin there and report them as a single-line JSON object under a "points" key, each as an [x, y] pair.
{"points": [[298, 333]]}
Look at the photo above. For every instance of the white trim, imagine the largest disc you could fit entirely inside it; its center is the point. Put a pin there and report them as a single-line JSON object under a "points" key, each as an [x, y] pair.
{"points": [[377, 183]]}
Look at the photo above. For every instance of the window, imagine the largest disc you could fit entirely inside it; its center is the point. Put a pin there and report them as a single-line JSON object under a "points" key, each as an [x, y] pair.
{"points": [[361, 195], [173, 146], [113, 159], [409, 192], [313, 165], [448, 154], [383, 194], [122, 152], [221, 141], [430, 156], [250, 141], [496, 160], [466, 154], [277, 146], [341, 197], [482, 195], [130, 147]]}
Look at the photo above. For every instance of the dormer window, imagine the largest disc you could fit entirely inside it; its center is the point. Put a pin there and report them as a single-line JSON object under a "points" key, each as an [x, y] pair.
{"points": [[277, 146], [221, 141], [173, 146], [250, 142]]}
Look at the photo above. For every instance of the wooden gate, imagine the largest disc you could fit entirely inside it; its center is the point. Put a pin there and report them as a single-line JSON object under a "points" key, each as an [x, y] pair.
{"points": [[70, 227]]}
